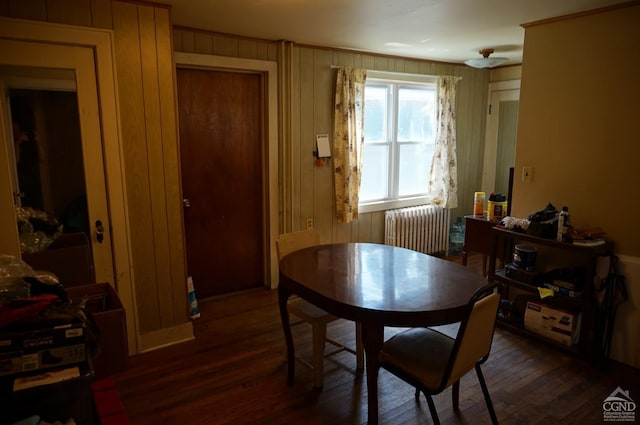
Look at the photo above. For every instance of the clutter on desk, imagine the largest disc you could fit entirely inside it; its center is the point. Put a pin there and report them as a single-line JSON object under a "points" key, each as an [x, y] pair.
{"points": [[496, 206], [551, 223], [47, 344]]}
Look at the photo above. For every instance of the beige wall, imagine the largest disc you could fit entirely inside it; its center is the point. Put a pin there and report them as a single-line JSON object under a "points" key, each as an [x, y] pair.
{"points": [[307, 80], [579, 128], [578, 122]]}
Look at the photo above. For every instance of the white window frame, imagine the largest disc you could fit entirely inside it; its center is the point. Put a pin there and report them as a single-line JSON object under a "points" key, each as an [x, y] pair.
{"points": [[405, 79]]}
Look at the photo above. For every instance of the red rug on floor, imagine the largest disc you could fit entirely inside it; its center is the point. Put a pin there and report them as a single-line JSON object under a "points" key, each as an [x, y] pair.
{"points": [[109, 408]]}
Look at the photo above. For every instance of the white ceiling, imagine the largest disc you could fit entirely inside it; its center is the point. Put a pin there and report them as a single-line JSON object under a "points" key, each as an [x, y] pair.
{"points": [[441, 30]]}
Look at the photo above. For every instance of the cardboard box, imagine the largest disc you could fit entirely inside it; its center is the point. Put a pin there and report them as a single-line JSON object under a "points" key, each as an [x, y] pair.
{"points": [[103, 303], [41, 338], [68, 257], [17, 362], [560, 325], [69, 398]]}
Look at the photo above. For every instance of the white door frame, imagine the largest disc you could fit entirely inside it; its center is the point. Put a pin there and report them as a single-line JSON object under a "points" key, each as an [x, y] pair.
{"points": [[101, 42], [200, 61]]}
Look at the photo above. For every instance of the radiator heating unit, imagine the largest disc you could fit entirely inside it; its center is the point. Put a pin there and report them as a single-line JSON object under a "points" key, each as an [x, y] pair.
{"points": [[424, 228]]}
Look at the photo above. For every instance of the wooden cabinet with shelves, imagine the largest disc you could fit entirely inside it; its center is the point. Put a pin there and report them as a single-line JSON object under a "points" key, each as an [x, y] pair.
{"points": [[553, 258]]}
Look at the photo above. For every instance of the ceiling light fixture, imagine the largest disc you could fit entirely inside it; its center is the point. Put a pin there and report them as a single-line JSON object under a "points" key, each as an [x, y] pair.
{"points": [[485, 61]]}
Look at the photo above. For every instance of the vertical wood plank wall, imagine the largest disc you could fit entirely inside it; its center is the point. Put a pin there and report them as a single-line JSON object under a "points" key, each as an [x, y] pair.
{"points": [[311, 100], [146, 75], [145, 43]]}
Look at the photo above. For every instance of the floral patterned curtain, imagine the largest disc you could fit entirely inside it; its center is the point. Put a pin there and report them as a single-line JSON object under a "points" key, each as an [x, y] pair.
{"points": [[443, 179], [348, 140]]}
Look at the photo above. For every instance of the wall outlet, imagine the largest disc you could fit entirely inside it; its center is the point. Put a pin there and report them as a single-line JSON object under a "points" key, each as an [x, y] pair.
{"points": [[309, 223], [527, 174]]}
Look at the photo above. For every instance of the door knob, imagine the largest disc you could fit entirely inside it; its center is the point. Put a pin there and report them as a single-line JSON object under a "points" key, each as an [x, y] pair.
{"points": [[99, 231], [186, 202]]}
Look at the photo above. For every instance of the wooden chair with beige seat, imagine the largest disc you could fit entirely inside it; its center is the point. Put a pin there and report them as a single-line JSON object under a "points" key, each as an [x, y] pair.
{"points": [[316, 317], [432, 361]]}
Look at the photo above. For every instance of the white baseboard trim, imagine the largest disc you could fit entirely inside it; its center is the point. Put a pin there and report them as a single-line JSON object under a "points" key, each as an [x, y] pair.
{"points": [[165, 337]]}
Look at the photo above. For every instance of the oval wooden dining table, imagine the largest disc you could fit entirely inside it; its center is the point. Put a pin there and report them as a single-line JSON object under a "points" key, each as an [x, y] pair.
{"points": [[377, 286]]}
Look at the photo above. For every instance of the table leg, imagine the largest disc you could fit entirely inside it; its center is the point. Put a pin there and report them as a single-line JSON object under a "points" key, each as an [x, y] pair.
{"points": [[283, 298], [372, 340]]}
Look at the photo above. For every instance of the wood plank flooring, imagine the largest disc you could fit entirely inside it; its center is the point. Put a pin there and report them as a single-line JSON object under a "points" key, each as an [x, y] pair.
{"points": [[235, 373]]}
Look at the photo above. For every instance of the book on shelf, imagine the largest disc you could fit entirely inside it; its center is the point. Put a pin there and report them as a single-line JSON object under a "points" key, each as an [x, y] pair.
{"points": [[558, 289]]}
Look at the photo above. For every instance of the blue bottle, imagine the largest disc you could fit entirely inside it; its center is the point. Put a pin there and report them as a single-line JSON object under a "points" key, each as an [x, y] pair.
{"points": [[456, 237]]}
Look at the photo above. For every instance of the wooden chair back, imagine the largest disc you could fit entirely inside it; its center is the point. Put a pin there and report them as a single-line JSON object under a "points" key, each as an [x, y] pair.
{"points": [[289, 242]]}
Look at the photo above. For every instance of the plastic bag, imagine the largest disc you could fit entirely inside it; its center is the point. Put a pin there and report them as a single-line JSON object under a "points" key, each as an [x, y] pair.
{"points": [[15, 276]]}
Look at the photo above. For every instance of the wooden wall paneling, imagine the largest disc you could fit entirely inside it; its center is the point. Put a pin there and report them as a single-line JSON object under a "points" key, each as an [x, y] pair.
{"points": [[72, 12], [398, 65], [188, 41], [129, 68], [381, 63], [476, 86], [478, 125], [203, 43], [248, 49], [28, 9], [177, 40], [171, 163], [288, 127], [101, 16], [412, 67], [464, 148], [312, 113], [342, 58], [367, 62], [155, 159], [377, 227], [427, 68], [225, 46], [323, 104], [357, 60], [303, 185], [264, 51], [363, 231], [4, 7]]}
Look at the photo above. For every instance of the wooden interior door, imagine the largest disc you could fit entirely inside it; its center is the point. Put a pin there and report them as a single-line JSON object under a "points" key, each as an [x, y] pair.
{"points": [[221, 133]]}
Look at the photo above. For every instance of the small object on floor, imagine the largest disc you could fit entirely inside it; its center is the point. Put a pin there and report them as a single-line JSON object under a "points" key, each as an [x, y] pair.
{"points": [[109, 407], [193, 301]]}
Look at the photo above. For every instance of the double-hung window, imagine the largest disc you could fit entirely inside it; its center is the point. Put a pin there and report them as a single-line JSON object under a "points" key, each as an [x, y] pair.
{"points": [[400, 131]]}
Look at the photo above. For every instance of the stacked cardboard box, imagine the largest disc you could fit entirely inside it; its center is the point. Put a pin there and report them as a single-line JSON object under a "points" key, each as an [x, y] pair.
{"points": [[68, 257], [46, 371], [41, 348], [560, 325], [104, 305]]}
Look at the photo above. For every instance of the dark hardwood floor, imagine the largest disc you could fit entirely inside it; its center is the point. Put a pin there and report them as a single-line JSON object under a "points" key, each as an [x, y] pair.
{"points": [[234, 373]]}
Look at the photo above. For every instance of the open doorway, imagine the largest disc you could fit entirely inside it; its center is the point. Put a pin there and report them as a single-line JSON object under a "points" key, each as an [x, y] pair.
{"points": [[500, 138]]}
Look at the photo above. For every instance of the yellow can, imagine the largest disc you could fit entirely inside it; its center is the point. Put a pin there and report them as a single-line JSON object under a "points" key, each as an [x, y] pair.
{"points": [[478, 203], [497, 210]]}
